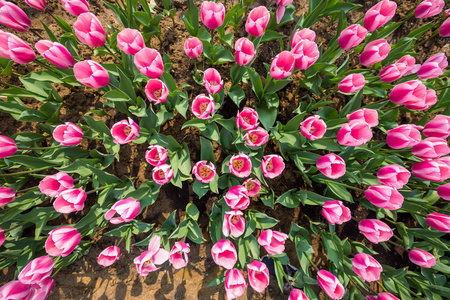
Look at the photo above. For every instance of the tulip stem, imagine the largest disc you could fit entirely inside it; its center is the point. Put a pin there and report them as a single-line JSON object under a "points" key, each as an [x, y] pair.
{"points": [[49, 68], [27, 190], [344, 185], [287, 279], [99, 189], [121, 239], [110, 51], [313, 264], [20, 224], [25, 172], [36, 33]]}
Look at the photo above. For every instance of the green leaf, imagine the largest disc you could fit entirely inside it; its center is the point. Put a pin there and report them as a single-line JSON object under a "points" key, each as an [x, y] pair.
{"points": [[116, 96], [339, 191], [219, 280], [270, 35], [236, 93], [97, 125], [207, 151], [192, 211], [200, 189], [289, 199], [256, 82], [28, 161], [194, 233], [352, 105]]}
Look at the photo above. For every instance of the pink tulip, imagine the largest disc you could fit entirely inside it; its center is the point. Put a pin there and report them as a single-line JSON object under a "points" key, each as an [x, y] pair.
{"points": [[384, 196], [379, 14], [253, 186], [125, 131], [370, 116], [433, 67], [7, 195], [409, 92], [258, 275], [433, 170], [410, 63], [76, 7], [233, 222], [352, 36], [439, 222], [297, 295], [352, 83], [429, 8], [70, 200], [130, 41], [257, 21], [38, 4], [330, 285], [331, 165], [404, 136], [335, 212], [178, 256], [444, 30], [16, 290], [281, 8], [237, 197], [240, 165], [204, 172], [272, 241], [13, 16], [36, 270], [108, 256], [235, 283], [422, 258], [193, 47], [156, 155], [282, 65], [305, 53], [374, 52], [247, 119], [68, 134], [304, 34], [149, 62], [245, 51], [127, 209], [203, 107], [392, 72], [366, 267], [393, 175], [147, 261], [256, 137], [313, 128], [53, 185], [444, 191], [272, 165], [212, 14], [375, 231], [156, 91], [13, 47], [224, 254], [387, 296], [55, 53], [7, 146], [2, 237], [212, 81], [42, 289], [432, 147], [370, 298], [354, 133], [438, 127], [429, 100], [89, 30], [91, 73], [61, 241], [162, 174]]}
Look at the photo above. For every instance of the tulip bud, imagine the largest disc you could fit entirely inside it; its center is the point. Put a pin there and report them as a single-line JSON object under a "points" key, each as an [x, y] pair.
{"points": [[433, 67], [76, 7], [387, 296], [245, 51], [304, 34], [7, 146], [438, 127], [7, 195], [297, 295], [422, 258], [313, 128], [384, 196], [193, 47], [38, 4], [233, 223], [204, 172], [224, 254], [89, 30], [305, 53], [375, 231], [125, 131], [433, 170], [253, 186], [370, 116], [335, 212], [352, 83], [212, 14], [393, 175], [392, 72], [256, 137], [429, 8], [156, 91], [130, 41], [247, 119], [272, 241], [257, 21], [13, 47], [235, 283], [444, 191], [444, 30], [156, 155], [429, 100], [272, 165], [91, 73], [237, 197], [2, 237], [149, 62], [127, 209], [70, 200], [212, 81], [354, 133], [203, 107], [16, 290], [55, 53], [366, 267], [178, 256], [431, 148], [162, 174], [68, 134], [330, 284], [282, 65], [379, 14], [409, 92], [403, 136], [439, 222], [61, 241], [258, 275], [36, 270], [108, 256], [240, 165], [13, 16], [352, 36], [331, 165], [374, 52]]}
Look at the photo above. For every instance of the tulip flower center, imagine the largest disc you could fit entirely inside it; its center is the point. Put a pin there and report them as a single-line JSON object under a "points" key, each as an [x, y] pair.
{"points": [[204, 171], [246, 120], [157, 156], [312, 129], [213, 83], [161, 174], [253, 137], [157, 93], [269, 166], [234, 219], [238, 164], [148, 262], [127, 130], [203, 107], [250, 185]]}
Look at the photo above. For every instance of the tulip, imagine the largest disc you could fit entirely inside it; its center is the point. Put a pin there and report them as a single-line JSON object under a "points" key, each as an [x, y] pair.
{"points": [[245, 51], [2, 237], [335, 212], [156, 91], [235, 283], [433, 170], [193, 47], [409, 62], [36, 270], [212, 14], [366, 267], [127, 209], [304, 34], [439, 222], [91, 73], [108, 256], [224, 254], [68, 134], [162, 174], [7, 146], [433, 67], [253, 186], [370, 116], [352, 83], [438, 127], [13, 16], [203, 107], [89, 30], [240, 165], [370, 298], [125, 131], [313, 128], [247, 119], [404, 136], [13, 47], [384, 196], [258, 275], [272, 241], [76, 7], [42, 289], [55, 53], [61, 241], [282, 65], [7, 195], [178, 256], [38, 4], [281, 8], [331, 165], [409, 92], [374, 51], [156, 155], [149, 62], [379, 14], [16, 290], [352, 36], [394, 176], [305, 53], [297, 295], [53, 185], [444, 191], [272, 165], [387, 296], [330, 285], [237, 197], [256, 137], [422, 258], [212, 81], [233, 222], [392, 72], [204, 172], [257, 21], [429, 100], [429, 8], [70, 200], [444, 30], [130, 41], [147, 261], [431, 147], [375, 231], [354, 133]]}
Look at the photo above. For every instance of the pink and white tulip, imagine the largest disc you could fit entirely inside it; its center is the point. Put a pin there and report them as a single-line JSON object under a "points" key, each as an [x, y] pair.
{"points": [[297, 294], [61, 241], [204, 172], [374, 51], [379, 14], [162, 174], [55, 53], [233, 223], [336, 212], [178, 256], [7, 195], [393, 175], [330, 285], [403, 136], [430, 148], [212, 14], [89, 30], [384, 196], [444, 191], [14, 48], [76, 7], [16, 290], [36, 270], [70, 200], [8, 146], [272, 241], [366, 267], [156, 155], [212, 81], [256, 137], [237, 197], [245, 51], [352, 36], [156, 91], [422, 258], [375, 230], [331, 165], [53, 185], [304, 34], [370, 116], [433, 67], [235, 283], [439, 222], [253, 186], [257, 21], [68, 134], [147, 261], [313, 128], [149, 62], [305, 53], [125, 131], [91, 73], [13, 16], [354, 133], [438, 127], [258, 275], [433, 170], [193, 47], [429, 8], [126, 209], [352, 83], [130, 41], [240, 165], [108, 256], [247, 119], [203, 107], [282, 65], [409, 92], [224, 254], [272, 165]]}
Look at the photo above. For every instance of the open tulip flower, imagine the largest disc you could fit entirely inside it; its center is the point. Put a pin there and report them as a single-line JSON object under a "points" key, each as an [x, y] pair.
{"points": [[156, 155], [156, 91], [313, 128], [240, 165], [224, 254], [305, 53], [272, 241], [162, 174], [147, 261], [272, 165], [204, 172], [253, 186], [125, 131], [247, 119], [178, 256], [258, 275], [68, 134], [256, 137], [237, 197], [233, 223], [330, 285], [127, 209], [108, 256]]}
